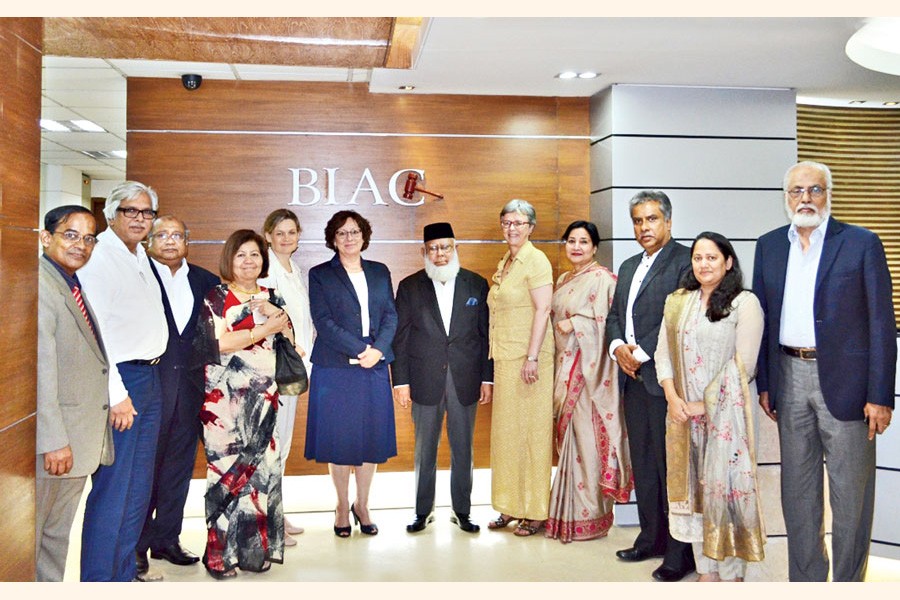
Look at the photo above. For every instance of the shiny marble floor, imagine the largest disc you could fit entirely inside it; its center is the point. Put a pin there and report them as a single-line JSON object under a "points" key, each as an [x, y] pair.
{"points": [[440, 553]]}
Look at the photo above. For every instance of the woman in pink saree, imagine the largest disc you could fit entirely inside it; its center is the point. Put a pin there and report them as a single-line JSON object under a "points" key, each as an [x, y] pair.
{"points": [[594, 470], [705, 363]]}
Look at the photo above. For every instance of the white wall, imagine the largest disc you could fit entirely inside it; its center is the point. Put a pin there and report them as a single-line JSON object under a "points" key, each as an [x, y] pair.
{"points": [[59, 186]]}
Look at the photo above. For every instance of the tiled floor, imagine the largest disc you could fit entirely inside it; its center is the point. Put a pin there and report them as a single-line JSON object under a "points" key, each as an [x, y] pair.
{"points": [[440, 553]]}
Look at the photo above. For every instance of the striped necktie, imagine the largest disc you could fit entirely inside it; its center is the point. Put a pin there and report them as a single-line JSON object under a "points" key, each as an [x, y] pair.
{"points": [[76, 291]]}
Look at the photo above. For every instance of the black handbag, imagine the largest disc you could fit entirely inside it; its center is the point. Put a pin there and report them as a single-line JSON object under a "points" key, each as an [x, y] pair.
{"points": [[290, 372]]}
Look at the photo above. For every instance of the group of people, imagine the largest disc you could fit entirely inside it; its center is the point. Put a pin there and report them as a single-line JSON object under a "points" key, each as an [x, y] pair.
{"points": [[645, 382]]}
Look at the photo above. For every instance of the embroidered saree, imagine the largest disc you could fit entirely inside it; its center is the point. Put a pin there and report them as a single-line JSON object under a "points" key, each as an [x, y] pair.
{"points": [[711, 459], [594, 469]]}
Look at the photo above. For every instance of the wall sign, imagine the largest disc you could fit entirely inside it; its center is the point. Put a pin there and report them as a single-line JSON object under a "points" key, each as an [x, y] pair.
{"points": [[307, 190]]}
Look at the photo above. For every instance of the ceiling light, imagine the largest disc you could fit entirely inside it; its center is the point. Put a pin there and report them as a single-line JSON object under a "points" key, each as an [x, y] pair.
{"points": [[119, 153], [876, 45], [85, 125], [893, 103], [568, 75], [857, 102], [51, 125], [587, 75], [407, 88]]}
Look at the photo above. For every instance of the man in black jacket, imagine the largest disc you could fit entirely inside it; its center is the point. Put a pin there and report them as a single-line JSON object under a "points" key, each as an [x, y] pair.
{"points": [[441, 364]]}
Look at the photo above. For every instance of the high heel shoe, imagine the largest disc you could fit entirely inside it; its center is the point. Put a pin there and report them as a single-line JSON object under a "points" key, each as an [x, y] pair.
{"points": [[342, 532], [368, 529]]}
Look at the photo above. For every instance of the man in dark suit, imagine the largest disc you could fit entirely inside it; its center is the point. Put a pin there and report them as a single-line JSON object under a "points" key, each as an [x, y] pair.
{"points": [[826, 371], [632, 329], [184, 288], [441, 363], [73, 431]]}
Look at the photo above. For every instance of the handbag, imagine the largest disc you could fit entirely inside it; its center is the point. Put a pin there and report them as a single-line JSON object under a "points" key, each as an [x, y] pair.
{"points": [[290, 372]]}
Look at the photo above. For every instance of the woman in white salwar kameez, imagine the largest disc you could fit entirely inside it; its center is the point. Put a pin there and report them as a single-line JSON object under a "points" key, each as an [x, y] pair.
{"points": [[706, 362]]}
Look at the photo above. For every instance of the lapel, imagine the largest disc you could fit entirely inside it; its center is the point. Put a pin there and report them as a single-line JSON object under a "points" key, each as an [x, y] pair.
{"points": [[341, 274], [167, 308], [665, 254], [830, 250], [461, 293], [429, 298], [778, 269], [62, 288], [195, 281]]}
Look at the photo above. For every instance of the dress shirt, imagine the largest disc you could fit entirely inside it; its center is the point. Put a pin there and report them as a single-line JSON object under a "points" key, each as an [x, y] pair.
{"points": [[72, 282], [296, 301], [797, 317], [178, 291], [640, 274], [128, 305], [362, 294], [444, 293]]}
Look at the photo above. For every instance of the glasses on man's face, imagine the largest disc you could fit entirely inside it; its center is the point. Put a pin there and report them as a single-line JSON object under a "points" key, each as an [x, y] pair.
{"points": [[816, 192], [132, 213], [73, 237], [353, 233], [516, 224], [439, 248], [175, 236]]}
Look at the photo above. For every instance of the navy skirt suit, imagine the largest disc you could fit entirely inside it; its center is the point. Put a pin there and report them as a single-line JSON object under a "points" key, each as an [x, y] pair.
{"points": [[351, 409]]}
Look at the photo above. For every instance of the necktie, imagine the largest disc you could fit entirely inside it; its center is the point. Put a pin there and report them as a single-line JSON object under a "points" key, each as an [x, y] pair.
{"points": [[76, 291]]}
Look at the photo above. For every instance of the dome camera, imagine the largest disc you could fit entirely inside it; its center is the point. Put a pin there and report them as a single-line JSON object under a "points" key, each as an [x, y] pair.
{"points": [[191, 81]]}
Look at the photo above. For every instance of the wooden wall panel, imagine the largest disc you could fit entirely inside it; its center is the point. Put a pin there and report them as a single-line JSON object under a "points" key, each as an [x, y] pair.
{"points": [[479, 152], [20, 143]]}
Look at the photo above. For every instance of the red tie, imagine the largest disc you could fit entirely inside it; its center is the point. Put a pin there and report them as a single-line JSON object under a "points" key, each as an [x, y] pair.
{"points": [[76, 291]]}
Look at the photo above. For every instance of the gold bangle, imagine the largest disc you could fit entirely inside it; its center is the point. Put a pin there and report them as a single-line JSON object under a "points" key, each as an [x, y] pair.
{"points": [[252, 341]]}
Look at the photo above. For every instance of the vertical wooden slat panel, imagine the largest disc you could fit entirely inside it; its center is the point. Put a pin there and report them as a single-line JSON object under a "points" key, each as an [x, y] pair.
{"points": [[20, 143]]}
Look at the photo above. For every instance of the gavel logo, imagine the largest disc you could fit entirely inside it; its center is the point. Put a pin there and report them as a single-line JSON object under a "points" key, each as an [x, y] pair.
{"points": [[410, 188]]}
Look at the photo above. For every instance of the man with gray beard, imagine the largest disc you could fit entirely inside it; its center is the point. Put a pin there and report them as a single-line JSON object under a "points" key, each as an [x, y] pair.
{"points": [[441, 365], [826, 371]]}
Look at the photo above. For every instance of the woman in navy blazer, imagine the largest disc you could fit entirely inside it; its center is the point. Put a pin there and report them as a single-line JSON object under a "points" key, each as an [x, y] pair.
{"points": [[350, 421]]}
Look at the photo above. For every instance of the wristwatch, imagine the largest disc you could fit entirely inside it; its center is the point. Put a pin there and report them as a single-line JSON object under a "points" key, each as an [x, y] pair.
{"points": [[531, 358]]}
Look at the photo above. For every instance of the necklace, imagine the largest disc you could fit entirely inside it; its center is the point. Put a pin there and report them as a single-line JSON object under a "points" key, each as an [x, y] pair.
{"points": [[584, 268], [237, 288]]}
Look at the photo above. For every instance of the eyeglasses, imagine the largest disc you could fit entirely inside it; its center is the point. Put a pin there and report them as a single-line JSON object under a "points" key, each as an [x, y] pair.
{"points": [[132, 213], [353, 233], [516, 224], [816, 192], [442, 248], [176, 236], [73, 237]]}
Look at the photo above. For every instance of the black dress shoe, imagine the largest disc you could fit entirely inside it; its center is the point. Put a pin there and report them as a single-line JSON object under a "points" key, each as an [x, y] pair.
{"points": [[464, 523], [635, 554], [176, 555], [420, 522], [665, 573], [143, 565]]}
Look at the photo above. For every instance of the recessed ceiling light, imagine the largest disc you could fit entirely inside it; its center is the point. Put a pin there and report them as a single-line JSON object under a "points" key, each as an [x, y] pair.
{"points": [[119, 153], [893, 103], [587, 75], [407, 88], [568, 75], [85, 125], [51, 125], [857, 102]]}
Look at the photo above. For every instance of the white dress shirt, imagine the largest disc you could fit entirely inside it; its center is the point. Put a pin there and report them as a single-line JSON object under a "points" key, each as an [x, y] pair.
{"points": [[296, 301], [797, 318], [444, 293], [178, 291], [362, 293], [127, 302], [639, 275]]}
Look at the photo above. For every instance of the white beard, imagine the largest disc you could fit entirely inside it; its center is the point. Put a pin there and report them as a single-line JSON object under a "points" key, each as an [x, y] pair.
{"points": [[804, 220], [445, 273]]}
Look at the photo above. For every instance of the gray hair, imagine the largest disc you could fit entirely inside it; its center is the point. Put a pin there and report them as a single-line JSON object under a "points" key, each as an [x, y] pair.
{"points": [[128, 190], [160, 219], [665, 205], [822, 167], [522, 207]]}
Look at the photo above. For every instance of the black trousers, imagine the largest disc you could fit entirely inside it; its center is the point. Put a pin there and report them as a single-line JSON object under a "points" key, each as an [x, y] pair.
{"points": [[645, 419]]}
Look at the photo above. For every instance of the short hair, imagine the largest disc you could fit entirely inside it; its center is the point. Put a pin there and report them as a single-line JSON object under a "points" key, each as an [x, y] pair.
{"points": [[522, 207], [128, 190], [232, 244], [158, 220], [822, 167], [277, 216], [59, 215], [587, 226], [665, 205], [719, 305], [338, 219]]}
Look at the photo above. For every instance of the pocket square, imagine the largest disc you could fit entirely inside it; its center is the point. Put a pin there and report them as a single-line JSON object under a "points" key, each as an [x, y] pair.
{"points": [[472, 301]]}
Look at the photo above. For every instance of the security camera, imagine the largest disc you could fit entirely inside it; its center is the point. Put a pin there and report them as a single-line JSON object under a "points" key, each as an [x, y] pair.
{"points": [[191, 81]]}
